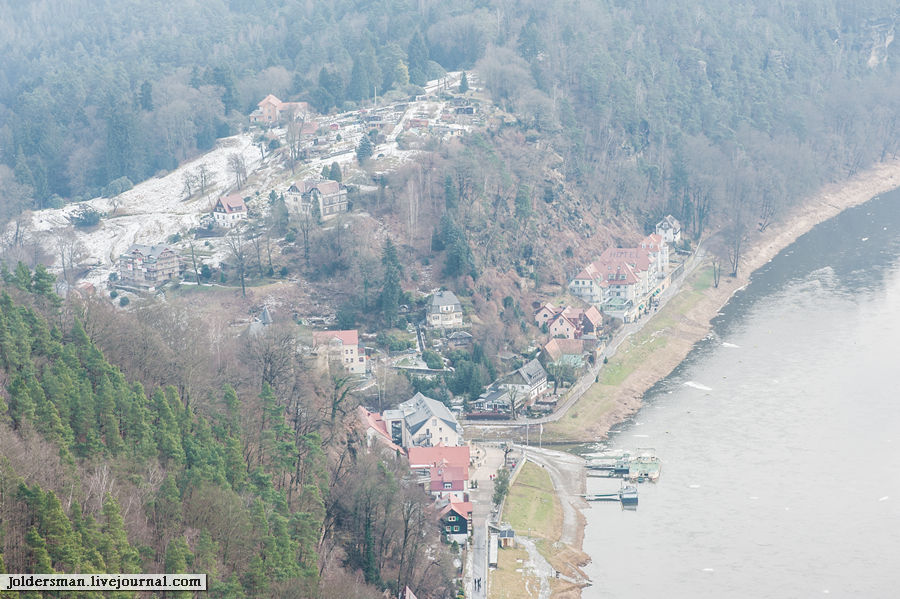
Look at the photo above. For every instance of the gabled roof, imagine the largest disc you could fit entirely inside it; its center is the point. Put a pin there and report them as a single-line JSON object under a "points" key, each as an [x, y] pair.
{"points": [[669, 222], [270, 99], [232, 203], [374, 422], [461, 508], [420, 409], [557, 348], [325, 187], [459, 335], [147, 251], [445, 297], [562, 316], [593, 315], [533, 372], [349, 338], [447, 474]]}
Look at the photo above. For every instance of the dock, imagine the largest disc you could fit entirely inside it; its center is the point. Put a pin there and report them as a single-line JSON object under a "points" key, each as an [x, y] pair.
{"points": [[627, 495]]}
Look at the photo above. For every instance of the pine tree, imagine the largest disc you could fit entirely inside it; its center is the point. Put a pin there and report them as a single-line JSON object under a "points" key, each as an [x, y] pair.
{"points": [[390, 289], [463, 83], [335, 172], [38, 559], [451, 195], [417, 59], [365, 149]]}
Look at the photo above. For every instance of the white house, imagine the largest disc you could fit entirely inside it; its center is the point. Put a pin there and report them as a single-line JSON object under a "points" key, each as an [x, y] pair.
{"points": [[422, 421], [444, 311], [669, 229], [229, 210]]}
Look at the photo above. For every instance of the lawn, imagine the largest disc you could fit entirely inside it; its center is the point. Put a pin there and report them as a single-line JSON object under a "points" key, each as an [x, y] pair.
{"points": [[507, 583], [532, 507]]}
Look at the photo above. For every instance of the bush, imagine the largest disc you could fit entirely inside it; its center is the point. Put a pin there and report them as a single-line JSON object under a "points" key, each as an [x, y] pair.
{"points": [[432, 359], [283, 272], [113, 294], [124, 301], [85, 217], [117, 186]]}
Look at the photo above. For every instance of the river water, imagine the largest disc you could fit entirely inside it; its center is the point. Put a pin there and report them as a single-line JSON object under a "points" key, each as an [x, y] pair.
{"points": [[779, 436]]}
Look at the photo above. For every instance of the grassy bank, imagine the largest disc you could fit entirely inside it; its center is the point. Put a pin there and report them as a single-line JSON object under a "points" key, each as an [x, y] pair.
{"points": [[532, 507], [636, 361]]}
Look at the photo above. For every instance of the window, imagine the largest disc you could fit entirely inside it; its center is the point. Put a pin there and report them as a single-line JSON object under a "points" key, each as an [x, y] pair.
{"points": [[447, 528], [451, 519], [456, 529], [448, 485]]}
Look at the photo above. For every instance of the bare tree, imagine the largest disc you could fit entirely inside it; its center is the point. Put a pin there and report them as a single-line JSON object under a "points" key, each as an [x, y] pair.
{"points": [[204, 178], [237, 247], [238, 167], [194, 262], [71, 252], [190, 181], [272, 353]]}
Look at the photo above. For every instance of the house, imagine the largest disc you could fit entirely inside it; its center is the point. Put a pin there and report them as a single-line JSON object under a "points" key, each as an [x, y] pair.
{"points": [[669, 229], [422, 421], [505, 535], [147, 266], [493, 400], [448, 482], [341, 347], [526, 383], [567, 351], [326, 196], [458, 339], [229, 210], [454, 520], [562, 326], [375, 430], [423, 458], [543, 314], [444, 311], [447, 469], [271, 110], [591, 321]]}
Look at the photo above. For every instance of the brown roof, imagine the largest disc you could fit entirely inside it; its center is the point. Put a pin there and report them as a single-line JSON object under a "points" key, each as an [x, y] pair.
{"points": [[593, 315], [428, 457], [556, 348], [270, 99], [345, 337], [232, 203], [374, 421], [463, 508]]}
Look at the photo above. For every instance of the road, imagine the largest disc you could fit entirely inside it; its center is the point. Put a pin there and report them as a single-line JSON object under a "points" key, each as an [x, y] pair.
{"points": [[588, 379]]}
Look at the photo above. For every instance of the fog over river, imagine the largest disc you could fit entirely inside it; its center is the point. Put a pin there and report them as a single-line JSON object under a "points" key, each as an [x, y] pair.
{"points": [[779, 436]]}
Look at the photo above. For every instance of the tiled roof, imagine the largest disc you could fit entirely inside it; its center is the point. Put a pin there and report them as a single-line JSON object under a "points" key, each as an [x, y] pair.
{"points": [[345, 337]]}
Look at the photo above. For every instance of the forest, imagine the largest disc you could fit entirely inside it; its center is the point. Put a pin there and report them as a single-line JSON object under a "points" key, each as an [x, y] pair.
{"points": [[100, 473], [178, 447]]}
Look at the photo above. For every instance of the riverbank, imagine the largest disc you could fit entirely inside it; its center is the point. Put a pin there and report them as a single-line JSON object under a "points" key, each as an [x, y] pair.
{"points": [[664, 342]]}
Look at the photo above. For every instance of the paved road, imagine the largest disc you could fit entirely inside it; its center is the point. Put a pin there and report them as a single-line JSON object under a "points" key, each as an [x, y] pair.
{"points": [[488, 460], [585, 382]]}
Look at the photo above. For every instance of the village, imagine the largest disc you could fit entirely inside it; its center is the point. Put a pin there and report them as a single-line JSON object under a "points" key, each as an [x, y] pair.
{"points": [[191, 240]]}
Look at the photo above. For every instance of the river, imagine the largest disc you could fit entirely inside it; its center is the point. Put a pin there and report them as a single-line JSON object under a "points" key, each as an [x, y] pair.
{"points": [[779, 436]]}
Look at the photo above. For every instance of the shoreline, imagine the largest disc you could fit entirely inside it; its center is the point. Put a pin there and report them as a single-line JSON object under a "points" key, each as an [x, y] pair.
{"points": [[695, 323]]}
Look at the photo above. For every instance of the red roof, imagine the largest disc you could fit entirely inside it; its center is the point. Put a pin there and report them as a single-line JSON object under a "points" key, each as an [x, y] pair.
{"points": [[454, 475], [463, 508], [428, 457], [232, 203], [326, 337], [374, 421], [593, 315]]}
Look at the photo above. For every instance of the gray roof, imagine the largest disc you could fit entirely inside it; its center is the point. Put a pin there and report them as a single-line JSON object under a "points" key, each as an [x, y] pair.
{"points": [[420, 409], [150, 251], [444, 297], [460, 335], [265, 317], [533, 372]]}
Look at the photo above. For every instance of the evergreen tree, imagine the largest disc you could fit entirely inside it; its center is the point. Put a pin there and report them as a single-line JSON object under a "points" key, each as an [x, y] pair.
{"points": [[417, 59], [335, 172], [390, 289], [359, 87], [451, 195], [146, 96], [463, 83], [365, 149]]}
